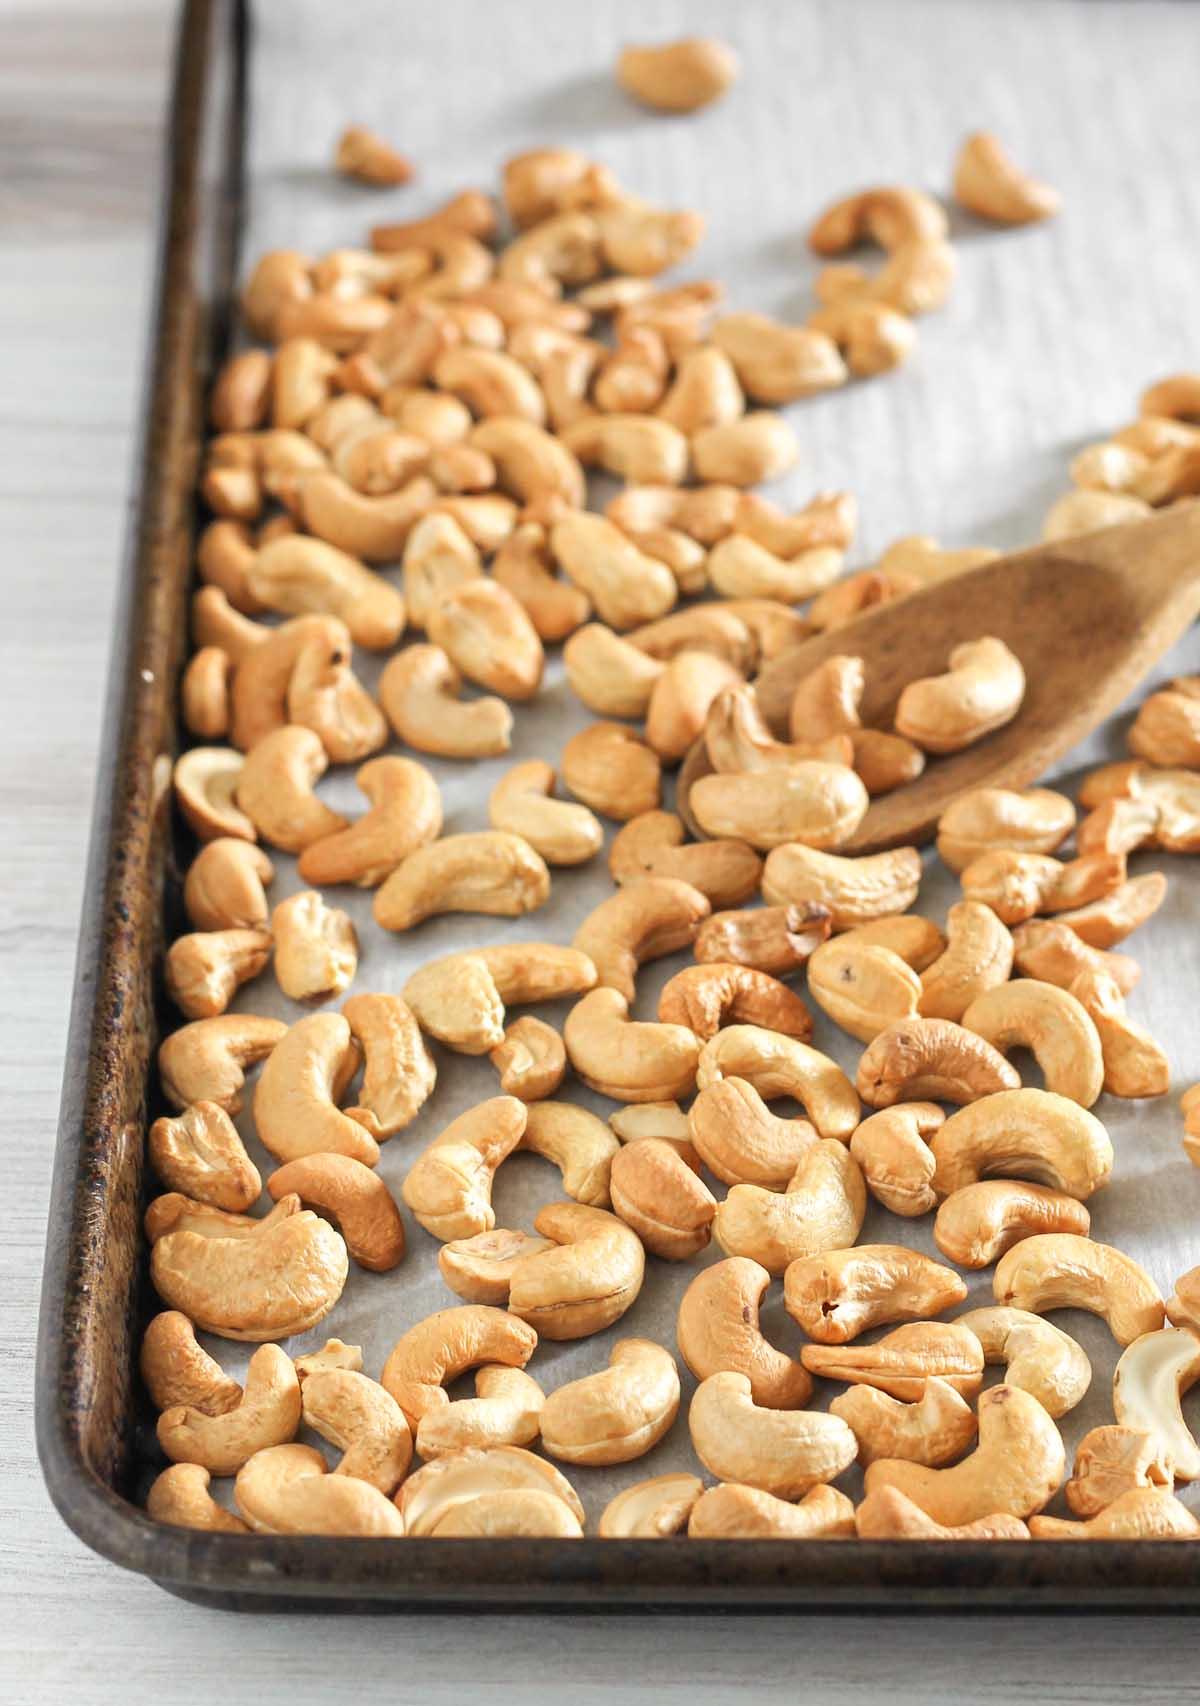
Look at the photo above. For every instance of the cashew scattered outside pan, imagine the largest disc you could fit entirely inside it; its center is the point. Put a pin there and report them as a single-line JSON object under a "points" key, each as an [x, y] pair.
{"points": [[354, 1198], [282, 1280], [206, 1061], [734, 1512], [836, 1296], [989, 183], [783, 1452], [449, 1186], [1026, 1134], [617, 1414], [678, 76], [718, 1332], [978, 1223], [584, 1284], [441, 1488], [1060, 1270], [506, 1410], [935, 1430], [1151, 1377], [268, 1413], [179, 1372], [180, 1496], [821, 1209], [919, 1059], [896, 1160], [286, 1489], [656, 916], [1040, 1358], [902, 1361], [295, 1101], [200, 1153], [651, 1510], [888, 1514], [658, 1194]]}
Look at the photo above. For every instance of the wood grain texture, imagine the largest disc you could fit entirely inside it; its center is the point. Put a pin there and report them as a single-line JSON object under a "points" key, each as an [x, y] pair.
{"points": [[80, 92]]}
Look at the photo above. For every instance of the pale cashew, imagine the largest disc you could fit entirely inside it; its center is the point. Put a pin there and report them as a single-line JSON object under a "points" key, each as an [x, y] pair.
{"points": [[506, 1410], [449, 1186], [885, 761], [904, 1360], [297, 575], [461, 1478], [987, 819], [1039, 1358], [316, 947], [886, 216], [856, 891], [295, 1102], [1151, 1377], [206, 1061], [545, 181], [364, 1421], [611, 769], [1024, 1134], [733, 1512], [837, 1296], [680, 701], [919, 1060], [781, 1066], [627, 586], [441, 1347], [1183, 1306], [522, 803], [618, 1414], [1143, 1513], [178, 1371], [678, 76], [655, 1191], [636, 448], [1018, 885], [1106, 922], [419, 691], [287, 1490], [1050, 950], [977, 1223], [827, 700], [774, 939], [978, 957], [1052, 1024], [706, 997], [745, 452], [784, 1452], [736, 737], [663, 1120], [777, 363], [200, 1153], [587, 1282], [485, 871], [889, 1514], [982, 691], [818, 804], [740, 568], [205, 782], [653, 845], [354, 1198], [531, 1059], [935, 1430], [863, 989], [275, 789], [896, 1159], [718, 1331], [181, 1497], [1060, 1270], [439, 558], [268, 1413], [651, 1510], [529, 462], [1166, 730], [399, 1073], [631, 1061], [460, 999], [576, 1142], [1016, 1468], [225, 885], [406, 813], [609, 674], [282, 1280], [650, 918], [525, 566], [822, 1209], [488, 636], [1079, 512], [987, 182], [1110, 1461], [480, 1269], [741, 1140]]}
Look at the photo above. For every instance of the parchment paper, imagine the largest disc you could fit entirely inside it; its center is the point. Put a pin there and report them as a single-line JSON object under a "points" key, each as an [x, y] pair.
{"points": [[1050, 334]]}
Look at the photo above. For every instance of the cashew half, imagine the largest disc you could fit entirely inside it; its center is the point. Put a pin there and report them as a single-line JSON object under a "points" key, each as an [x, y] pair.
{"points": [[225, 886], [822, 1209], [1040, 1358], [618, 1414], [399, 1074], [1060, 1270], [921, 1059], [316, 947], [531, 1059], [444, 1487], [1024, 1134], [651, 1510], [978, 1223], [836, 1296], [718, 1332], [1110, 1461], [935, 1430], [295, 1102], [200, 1153], [784, 1452], [1151, 1377], [268, 1413], [856, 891], [354, 1198], [205, 780], [658, 1194], [584, 1284], [902, 1361]]}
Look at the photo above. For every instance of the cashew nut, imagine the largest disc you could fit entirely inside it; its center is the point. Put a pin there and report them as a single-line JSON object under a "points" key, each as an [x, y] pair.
{"points": [[460, 999], [655, 1191], [297, 575], [705, 997], [651, 1510], [275, 789], [653, 845], [904, 1360], [741, 1140], [268, 1413], [419, 691], [286, 1489], [450, 1484], [918, 1060], [987, 182], [714, 628], [531, 1059], [556, 608], [206, 1061], [363, 1421], [889, 1514], [630, 1061], [430, 1355], [678, 76], [399, 1073], [506, 1410], [618, 1414], [636, 448], [181, 1497], [736, 737], [738, 566], [821, 1209], [316, 947], [856, 891], [1024, 1134], [487, 634], [178, 1371], [733, 1512], [1051, 1023], [295, 1102], [439, 558], [886, 216], [978, 957], [1151, 1377], [1106, 922], [1050, 950], [406, 813], [935, 1430], [784, 1452], [978, 1223], [225, 886], [611, 769], [650, 918], [863, 988], [282, 1280], [774, 939], [680, 701], [354, 1198], [479, 1269], [1143, 1513], [587, 1282], [1183, 1306], [485, 871], [1110, 1461], [718, 1331], [816, 803], [1018, 885], [896, 1159], [522, 803], [1079, 512], [334, 1353], [776, 1065], [1039, 1358], [1061, 1270], [777, 363], [449, 1186], [626, 586], [982, 691], [205, 781], [612, 676], [837, 1296], [200, 1153]]}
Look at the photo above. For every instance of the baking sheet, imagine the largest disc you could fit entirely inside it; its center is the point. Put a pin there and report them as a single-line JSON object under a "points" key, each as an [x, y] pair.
{"points": [[1049, 336]]}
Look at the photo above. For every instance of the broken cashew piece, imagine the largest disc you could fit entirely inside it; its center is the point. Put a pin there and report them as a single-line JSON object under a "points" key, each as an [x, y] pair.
{"points": [[988, 182], [1060, 1270], [774, 939], [718, 1332], [480, 1269], [784, 1452], [902, 1361], [531, 1059], [1110, 1461], [678, 76], [651, 1510], [199, 1153], [204, 970], [889, 1514], [734, 1512], [1039, 1358], [316, 947], [1052, 1024], [1151, 1377], [981, 692]]}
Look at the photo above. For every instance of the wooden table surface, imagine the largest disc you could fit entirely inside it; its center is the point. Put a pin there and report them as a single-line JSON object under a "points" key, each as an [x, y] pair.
{"points": [[81, 94]]}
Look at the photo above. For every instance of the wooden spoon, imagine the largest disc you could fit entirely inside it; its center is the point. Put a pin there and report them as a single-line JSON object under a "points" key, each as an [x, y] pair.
{"points": [[1088, 617]]}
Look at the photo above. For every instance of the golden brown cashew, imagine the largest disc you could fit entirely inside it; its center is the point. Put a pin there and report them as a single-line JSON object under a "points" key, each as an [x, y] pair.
{"points": [[484, 871], [283, 1280], [989, 183], [617, 1414], [419, 691], [1018, 885], [563, 249], [529, 461], [316, 947], [917, 1060], [664, 1120], [1040, 1359], [1106, 922], [522, 803], [587, 1282], [776, 1065], [545, 181], [439, 558], [406, 813], [706, 997], [774, 939], [506, 1410], [642, 922], [441, 1488], [816, 803], [982, 691], [1143, 1513], [225, 886], [821, 1209], [715, 628], [978, 1223], [888, 1514], [1050, 950], [460, 999], [873, 336], [181, 1497], [205, 781], [856, 891], [1183, 1306], [178, 1371], [628, 1060], [1024, 1134], [334, 1353], [364, 1421], [275, 789], [979, 956], [301, 673], [576, 1142], [718, 1332], [678, 76], [741, 1140], [838, 1295], [611, 769], [204, 693], [827, 700], [1151, 1377], [636, 448], [297, 575], [1110, 1461], [354, 1198], [915, 279], [1086, 511], [887, 216], [441, 1347], [903, 1361], [174, 1213], [531, 1059], [986, 819], [652, 845], [609, 674], [655, 1191], [885, 761], [206, 1061], [517, 1511], [487, 634], [449, 1186], [1016, 1467], [745, 452], [480, 1269], [200, 1153], [896, 1159], [1051, 1023], [863, 988], [399, 1073], [651, 1510], [784, 1452], [556, 608], [680, 701], [733, 1512], [268, 1413], [627, 586], [705, 392], [295, 1103], [737, 737], [777, 363], [935, 1430], [287, 1490], [1060, 1270]]}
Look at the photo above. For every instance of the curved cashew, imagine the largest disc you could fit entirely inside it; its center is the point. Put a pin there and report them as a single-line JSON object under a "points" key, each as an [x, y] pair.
{"points": [[531, 1059], [904, 1360], [651, 1510], [480, 1269], [611, 769], [462, 1477], [204, 693], [556, 608], [627, 586], [784, 1452], [522, 803], [1079, 512], [295, 1102], [419, 691], [777, 363], [889, 1514], [487, 634], [736, 737], [354, 1198], [740, 568], [982, 691], [608, 673], [822, 1209], [816, 803], [426, 1358], [282, 1280], [1183, 1306], [363, 1421], [1153, 1374], [439, 558], [733, 1512], [655, 1191], [1051, 1023], [678, 76], [718, 1332], [1134, 1064], [1060, 1270], [745, 452], [460, 999], [406, 813], [297, 575], [916, 1060], [523, 1512], [287, 1490], [199, 1153], [979, 956], [714, 628], [449, 1186], [577, 1143], [887, 216], [664, 1120], [856, 891], [206, 1061], [627, 1060], [827, 700], [305, 662], [1024, 1134], [275, 789], [705, 392], [324, 694], [1016, 1468], [706, 997], [918, 941], [225, 886], [484, 871], [774, 939], [741, 1140], [618, 1414], [636, 448], [885, 761], [1106, 922], [681, 698], [864, 989], [268, 1413], [776, 1065], [1110, 1461], [181, 1497], [978, 1223], [529, 461], [837, 1296], [316, 947], [174, 1213], [652, 845], [1143, 1513], [896, 1159], [642, 922], [935, 1430], [399, 1073], [563, 248], [1040, 1359], [506, 1410], [1051, 951], [206, 780], [587, 1282], [178, 1371], [988, 182], [915, 279], [545, 181]]}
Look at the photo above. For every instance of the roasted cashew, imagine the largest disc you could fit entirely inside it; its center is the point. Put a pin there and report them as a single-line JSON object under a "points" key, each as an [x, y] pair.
{"points": [[419, 691], [738, 566], [178, 1371], [399, 1073], [774, 939], [181, 1497], [915, 279], [904, 1360], [1051, 1023], [576, 1142], [987, 819], [780, 1066], [200, 1153], [680, 701], [484, 871], [1060, 1270], [822, 1209], [977, 1223], [608, 673], [816, 803], [1106, 922], [896, 1159], [636, 448], [856, 891], [480, 1269], [982, 691], [556, 608], [653, 845], [225, 886], [935, 1430], [1110, 1461], [626, 586], [664, 1120], [1143, 1513], [651, 1510], [618, 1414], [435, 1351], [784, 1452], [657, 1193], [206, 1061], [648, 919], [460, 999], [364, 1421], [736, 737], [733, 1512], [205, 781], [887, 216], [872, 336], [460, 1479], [1050, 950], [287, 1490], [354, 1198], [978, 956], [324, 694], [439, 558], [295, 1102], [835, 1296], [1079, 512], [406, 813], [334, 1353], [204, 693], [918, 941], [488, 635], [1039, 1358], [629, 1060], [275, 789], [531, 1059], [864, 989], [282, 1280], [316, 947], [546, 181], [705, 391], [885, 761], [523, 1512], [1183, 1306], [1016, 1467], [1018, 885], [449, 1186], [741, 1140], [268, 1413], [678, 76], [172, 1212], [506, 1410], [989, 183], [297, 575], [777, 363], [1024, 1134], [705, 997], [587, 1282], [1150, 1379], [718, 1332], [917, 1060], [714, 628], [611, 769], [889, 1514], [522, 803]]}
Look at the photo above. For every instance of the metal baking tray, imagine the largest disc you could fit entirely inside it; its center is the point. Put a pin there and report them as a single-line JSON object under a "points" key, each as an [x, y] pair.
{"points": [[96, 1291]]}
